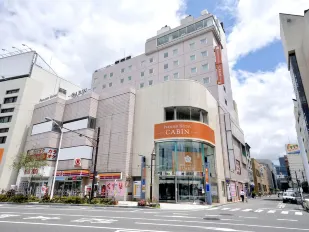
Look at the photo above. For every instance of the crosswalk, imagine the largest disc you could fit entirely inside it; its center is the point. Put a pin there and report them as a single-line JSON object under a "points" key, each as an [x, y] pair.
{"points": [[285, 212]]}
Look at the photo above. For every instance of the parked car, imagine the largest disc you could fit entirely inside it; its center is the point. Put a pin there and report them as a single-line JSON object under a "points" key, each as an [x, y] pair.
{"points": [[289, 197]]}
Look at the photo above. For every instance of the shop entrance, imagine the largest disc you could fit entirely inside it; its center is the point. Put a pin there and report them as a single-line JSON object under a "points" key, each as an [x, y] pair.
{"points": [[167, 189], [68, 188]]}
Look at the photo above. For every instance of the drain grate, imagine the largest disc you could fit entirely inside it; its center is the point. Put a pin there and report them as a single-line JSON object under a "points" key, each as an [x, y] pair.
{"points": [[211, 219]]}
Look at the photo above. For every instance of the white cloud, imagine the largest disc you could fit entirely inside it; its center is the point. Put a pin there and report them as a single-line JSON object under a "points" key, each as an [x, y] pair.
{"points": [[266, 110], [257, 23], [81, 36]]}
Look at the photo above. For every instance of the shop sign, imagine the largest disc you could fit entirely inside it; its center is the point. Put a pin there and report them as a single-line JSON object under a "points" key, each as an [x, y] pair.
{"points": [[79, 93], [115, 188], [238, 170], [80, 172], [33, 171], [143, 177], [137, 189], [219, 65], [49, 97], [184, 130], [49, 154], [77, 162], [189, 162]]}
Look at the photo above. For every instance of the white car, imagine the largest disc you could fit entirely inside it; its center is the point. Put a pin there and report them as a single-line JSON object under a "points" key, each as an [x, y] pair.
{"points": [[289, 197]]}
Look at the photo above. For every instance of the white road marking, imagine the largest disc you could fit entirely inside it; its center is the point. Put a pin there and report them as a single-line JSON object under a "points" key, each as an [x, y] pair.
{"points": [[212, 215], [246, 210], [189, 226], [258, 210], [95, 220], [227, 219], [181, 213], [236, 209], [42, 218], [298, 213], [80, 226], [174, 216], [225, 209], [271, 211], [291, 220], [281, 205], [8, 215], [247, 217], [285, 212]]}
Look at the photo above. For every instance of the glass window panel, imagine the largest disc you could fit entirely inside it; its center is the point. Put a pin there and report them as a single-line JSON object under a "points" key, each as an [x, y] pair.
{"points": [[150, 82], [176, 62], [192, 58], [165, 54], [169, 113], [190, 28], [141, 85], [175, 35], [165, 66], [176, 75], [195, 114], [199, 25], [166, 151], [175, 51], [182, 31], [183, 113], [165, 78]]}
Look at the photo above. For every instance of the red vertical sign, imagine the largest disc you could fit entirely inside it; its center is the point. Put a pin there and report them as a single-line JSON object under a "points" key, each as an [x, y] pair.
{"points": [[219, 66]]}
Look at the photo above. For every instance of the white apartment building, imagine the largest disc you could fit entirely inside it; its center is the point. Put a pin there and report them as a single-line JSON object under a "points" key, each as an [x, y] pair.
{"points": [[294, 31], [296, 167], [25, 80], [196, 51]]}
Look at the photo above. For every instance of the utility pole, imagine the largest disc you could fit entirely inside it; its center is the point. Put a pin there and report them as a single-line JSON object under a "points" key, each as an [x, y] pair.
{"points": [[95, 165]]}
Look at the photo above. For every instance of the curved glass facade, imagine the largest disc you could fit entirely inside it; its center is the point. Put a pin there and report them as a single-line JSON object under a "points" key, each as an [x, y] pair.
{"points": [[180, 166]]}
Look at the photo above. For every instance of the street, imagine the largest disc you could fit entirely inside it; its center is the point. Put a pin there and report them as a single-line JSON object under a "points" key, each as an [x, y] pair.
{"points": [[256, 215]]}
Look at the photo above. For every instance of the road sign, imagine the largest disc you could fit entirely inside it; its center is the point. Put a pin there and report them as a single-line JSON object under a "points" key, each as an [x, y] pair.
{"points": [[77, 162]]}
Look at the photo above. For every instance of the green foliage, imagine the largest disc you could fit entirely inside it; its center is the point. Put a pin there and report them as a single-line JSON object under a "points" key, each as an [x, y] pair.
{"points": [[33, 199], [3, 198], [73, 200], [28, 162], [19, 198]]}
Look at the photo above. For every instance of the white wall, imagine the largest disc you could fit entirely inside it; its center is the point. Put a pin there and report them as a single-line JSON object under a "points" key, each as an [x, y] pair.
{"points": [[83, 152], [150, 104], [76, 125], [42, 127]]}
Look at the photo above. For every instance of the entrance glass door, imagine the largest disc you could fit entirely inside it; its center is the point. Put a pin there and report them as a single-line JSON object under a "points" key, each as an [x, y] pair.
{"points": [[190, 189], [167, 189]]}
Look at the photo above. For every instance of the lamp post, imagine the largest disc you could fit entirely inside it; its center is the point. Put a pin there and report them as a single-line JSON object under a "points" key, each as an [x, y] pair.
{"points": [[57, 158]]}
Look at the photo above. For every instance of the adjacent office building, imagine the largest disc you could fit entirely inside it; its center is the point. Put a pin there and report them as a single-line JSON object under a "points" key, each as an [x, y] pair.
{"points": [[271, 172], [25, 80], [294, 31], [261, 181]]}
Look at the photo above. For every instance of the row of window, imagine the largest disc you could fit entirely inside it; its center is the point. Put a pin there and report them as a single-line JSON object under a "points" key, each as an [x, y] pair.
{"points": [[186, 113], [166, 55], [206, 80], [9, 100], [4, 130], [12, 91], [7, 110]]}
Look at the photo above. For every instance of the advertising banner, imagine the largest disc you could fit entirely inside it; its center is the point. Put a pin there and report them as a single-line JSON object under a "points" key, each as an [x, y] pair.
{"points": [[1, 154], [44, 153], [292, 149], [219, 65], [143, 177], [136, 189]]}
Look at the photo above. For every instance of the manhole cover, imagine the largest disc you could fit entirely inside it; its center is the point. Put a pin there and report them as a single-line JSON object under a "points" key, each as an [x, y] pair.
{"points": [[211, 219], [226, 214]]}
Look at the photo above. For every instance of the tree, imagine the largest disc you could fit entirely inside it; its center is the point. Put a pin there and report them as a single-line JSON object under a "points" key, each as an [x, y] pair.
{"points": [[30, 164]]}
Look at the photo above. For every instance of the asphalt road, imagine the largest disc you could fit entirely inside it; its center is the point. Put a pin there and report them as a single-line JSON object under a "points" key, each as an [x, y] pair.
{"points": [[256, 215]]}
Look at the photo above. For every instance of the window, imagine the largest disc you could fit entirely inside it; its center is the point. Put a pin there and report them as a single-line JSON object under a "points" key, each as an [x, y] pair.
{"points": [[192, 58], [192, 45], [205, 67], [2, 139], [129, 78], [176, 62], [150, 82], [204, 41], [122, 70], [193, 70], [190, 28], [175, 51], [151, 71], [104, 86], [224, 88], [110, 84], [142, 62], [12, 91], [142, 74], [151, 60], [204, 53], [199, 25], [186, 113], [111, 74], [165, 78], [165, 54], [225, 101], [206, 80], [121, 81], [141, 85], [10, 100], [7, 110], [5, 119], [4, 130], [165, 66], [130, 67], [105, 75], [176, 75]]}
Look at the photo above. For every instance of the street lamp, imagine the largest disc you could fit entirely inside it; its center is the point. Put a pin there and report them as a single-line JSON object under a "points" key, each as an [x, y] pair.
{"points": [[57, 158]]}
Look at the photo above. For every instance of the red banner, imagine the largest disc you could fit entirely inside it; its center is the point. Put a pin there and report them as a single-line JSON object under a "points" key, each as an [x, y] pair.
{"points": [[219, 66]]}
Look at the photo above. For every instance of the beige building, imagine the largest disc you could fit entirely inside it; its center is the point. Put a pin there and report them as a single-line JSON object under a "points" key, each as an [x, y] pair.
{"points": [[261, 182], [294, 31]]}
